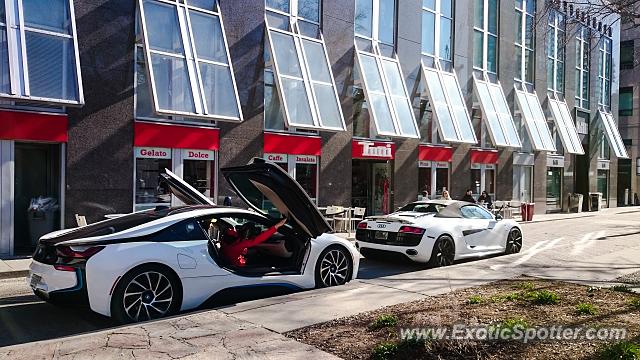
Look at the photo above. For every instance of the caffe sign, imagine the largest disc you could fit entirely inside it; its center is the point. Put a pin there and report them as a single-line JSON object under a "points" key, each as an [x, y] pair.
{"points": [[276, 158], [153, 153]]}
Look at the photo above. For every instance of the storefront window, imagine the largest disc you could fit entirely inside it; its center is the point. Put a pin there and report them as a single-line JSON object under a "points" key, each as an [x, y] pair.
{"points": [[303, 168], [483, 178], [200, 174], [442, 181], [476, 181], [307, 177], [424, 180], [150, 190], [371, 186], [554, 188], [433, 177]]}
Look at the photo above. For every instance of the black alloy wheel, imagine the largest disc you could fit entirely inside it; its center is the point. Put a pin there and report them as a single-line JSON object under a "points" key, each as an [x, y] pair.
{"points": [[443, 253], [514, 242]]}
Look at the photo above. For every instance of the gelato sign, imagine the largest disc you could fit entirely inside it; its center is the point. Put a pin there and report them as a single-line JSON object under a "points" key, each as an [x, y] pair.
{"points": [[153, 153]]}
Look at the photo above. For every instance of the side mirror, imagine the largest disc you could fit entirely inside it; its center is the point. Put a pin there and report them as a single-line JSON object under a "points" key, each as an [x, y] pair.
{"points": [[498, 217]]}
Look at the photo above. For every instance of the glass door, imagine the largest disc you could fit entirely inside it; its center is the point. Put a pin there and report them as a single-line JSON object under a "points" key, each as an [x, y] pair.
{"points": [[522, 183], [554, 189], [381, 188]]}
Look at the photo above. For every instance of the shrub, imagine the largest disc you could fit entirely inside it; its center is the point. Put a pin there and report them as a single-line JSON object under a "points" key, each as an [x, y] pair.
{"points": [[543, 297], [623, 350], [475, 299], [621, 288], [384, 351], [528, 285], [586, 309], [507, 297], [383, 321], [635, 303], [513, 323]]}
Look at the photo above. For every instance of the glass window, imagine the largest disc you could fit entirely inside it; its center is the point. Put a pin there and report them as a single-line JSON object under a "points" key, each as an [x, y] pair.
{"points": [[307, 177], [627, 55], [525, 47], [555, 52], [441, 48], [583, 38], [200, 174], [604, 73], [46, 66], [364, 18], [297, 63], [626, 101], [386, 21], [486, 34], [151, 191], [193, 79], [554, 188], [603, 185]]}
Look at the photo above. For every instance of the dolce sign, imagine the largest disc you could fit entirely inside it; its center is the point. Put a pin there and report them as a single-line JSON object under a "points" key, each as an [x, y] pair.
{"points": [[153, 153], [197, 154], [371, 149]]}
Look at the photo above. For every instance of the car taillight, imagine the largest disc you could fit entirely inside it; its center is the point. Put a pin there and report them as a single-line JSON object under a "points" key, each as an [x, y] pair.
{"points": [[362, 225], [80, 252], [411, 230]]}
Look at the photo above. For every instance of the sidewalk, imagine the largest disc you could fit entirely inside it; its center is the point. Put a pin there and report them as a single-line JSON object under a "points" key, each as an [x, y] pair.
{"points": [[205, 335], [13, 268]]}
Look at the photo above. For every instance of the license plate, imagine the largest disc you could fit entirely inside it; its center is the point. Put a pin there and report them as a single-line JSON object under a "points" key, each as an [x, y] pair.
{"points": [[381, 235], [35, 280]]}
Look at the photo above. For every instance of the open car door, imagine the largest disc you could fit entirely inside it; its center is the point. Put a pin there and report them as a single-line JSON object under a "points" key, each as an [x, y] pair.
{"points": [[183, 191], [262, 180]]}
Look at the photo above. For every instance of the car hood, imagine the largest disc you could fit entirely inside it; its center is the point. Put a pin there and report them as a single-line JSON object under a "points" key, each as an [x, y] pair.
{"points": [[183, 191], [262, 182]]}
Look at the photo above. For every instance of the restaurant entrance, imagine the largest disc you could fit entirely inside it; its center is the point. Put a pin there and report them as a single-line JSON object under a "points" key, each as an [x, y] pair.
{"points": [[371, 186]]}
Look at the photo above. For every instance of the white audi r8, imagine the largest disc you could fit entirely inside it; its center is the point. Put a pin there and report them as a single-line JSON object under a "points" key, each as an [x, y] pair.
{"points": [[154, 263], [438, 232]]}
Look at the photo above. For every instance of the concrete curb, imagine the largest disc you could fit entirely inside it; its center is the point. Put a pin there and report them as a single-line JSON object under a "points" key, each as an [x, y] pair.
{"points": [[14, 274], [547, 220]]}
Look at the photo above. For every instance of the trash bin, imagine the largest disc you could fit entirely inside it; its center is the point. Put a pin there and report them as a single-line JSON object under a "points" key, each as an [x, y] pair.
{"points": [[526, 209], [595, 201], [42, 211]]}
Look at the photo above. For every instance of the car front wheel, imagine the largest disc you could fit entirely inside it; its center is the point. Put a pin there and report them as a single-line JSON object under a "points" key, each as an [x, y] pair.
{"points": [[333, 267], [443, 253], [514, 242], [146, 293]]}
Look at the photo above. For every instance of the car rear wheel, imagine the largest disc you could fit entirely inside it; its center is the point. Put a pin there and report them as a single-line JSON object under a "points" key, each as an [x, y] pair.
{"points": [[514, 242], [443, 253], [146, 293], [333, 267]]}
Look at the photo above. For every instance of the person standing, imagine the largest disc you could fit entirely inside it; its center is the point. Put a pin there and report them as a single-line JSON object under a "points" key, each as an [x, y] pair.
{"points": [[468, 197], [445, 195]]}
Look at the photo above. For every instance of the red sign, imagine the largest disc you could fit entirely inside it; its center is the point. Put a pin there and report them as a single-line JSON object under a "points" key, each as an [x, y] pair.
{"points": [[21, 125], [434, 153], [484, 156], [365, 149], [175, 136], [292, 144]]}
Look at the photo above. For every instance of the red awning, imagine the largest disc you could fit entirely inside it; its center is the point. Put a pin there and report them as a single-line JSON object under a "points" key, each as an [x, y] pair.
{"points": [[376, 150], [434, 153], [19, 125], [484, 156], [292, 144], [176, 136]]}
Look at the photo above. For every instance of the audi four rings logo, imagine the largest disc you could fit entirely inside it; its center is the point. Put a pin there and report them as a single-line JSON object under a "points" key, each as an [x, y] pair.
{"points": [[381, 226]]}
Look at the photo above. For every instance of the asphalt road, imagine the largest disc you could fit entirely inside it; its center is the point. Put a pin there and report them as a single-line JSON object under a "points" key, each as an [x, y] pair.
{"points": [[554, 245]]}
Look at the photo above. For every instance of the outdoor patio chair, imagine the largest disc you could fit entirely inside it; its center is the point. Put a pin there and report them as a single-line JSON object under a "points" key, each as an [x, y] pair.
{"points": [[356, 217], [331, 214], [81, 220]]}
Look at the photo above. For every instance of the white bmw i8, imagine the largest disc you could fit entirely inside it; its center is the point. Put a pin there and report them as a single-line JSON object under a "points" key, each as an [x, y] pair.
{"points": [[438, 232], [155, 263]]}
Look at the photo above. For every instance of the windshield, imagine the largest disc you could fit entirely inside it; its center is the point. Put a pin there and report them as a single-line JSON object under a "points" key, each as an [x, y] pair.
{"points": [[423, 207]]}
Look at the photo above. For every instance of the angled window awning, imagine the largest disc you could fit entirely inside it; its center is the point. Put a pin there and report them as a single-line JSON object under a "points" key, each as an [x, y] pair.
{"points": [[188, 61], [535, 121], [386, 93], [447, 103], [304, 79], [495, 112], [613, 135], [39, 58], [566, 127]]}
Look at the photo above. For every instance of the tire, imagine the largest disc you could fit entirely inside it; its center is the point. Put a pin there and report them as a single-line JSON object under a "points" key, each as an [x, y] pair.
{"points": [[146, 292], [514, 242], [443, 253], [334, 267]]}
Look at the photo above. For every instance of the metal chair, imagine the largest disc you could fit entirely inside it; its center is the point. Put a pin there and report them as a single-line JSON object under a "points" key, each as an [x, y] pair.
{"points": [[331, 214], [357, 216]]}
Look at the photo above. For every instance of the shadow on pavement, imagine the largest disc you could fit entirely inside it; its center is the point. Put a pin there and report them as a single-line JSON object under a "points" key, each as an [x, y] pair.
{"points": [[33, 321]]}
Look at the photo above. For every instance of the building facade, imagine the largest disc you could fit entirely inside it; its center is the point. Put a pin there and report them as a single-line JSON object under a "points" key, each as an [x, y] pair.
{"points": [[629, 113], [365, 102]]}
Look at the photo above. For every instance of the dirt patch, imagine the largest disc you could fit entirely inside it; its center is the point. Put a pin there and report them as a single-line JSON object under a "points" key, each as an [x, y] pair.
{"points": [[498, 304]]}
